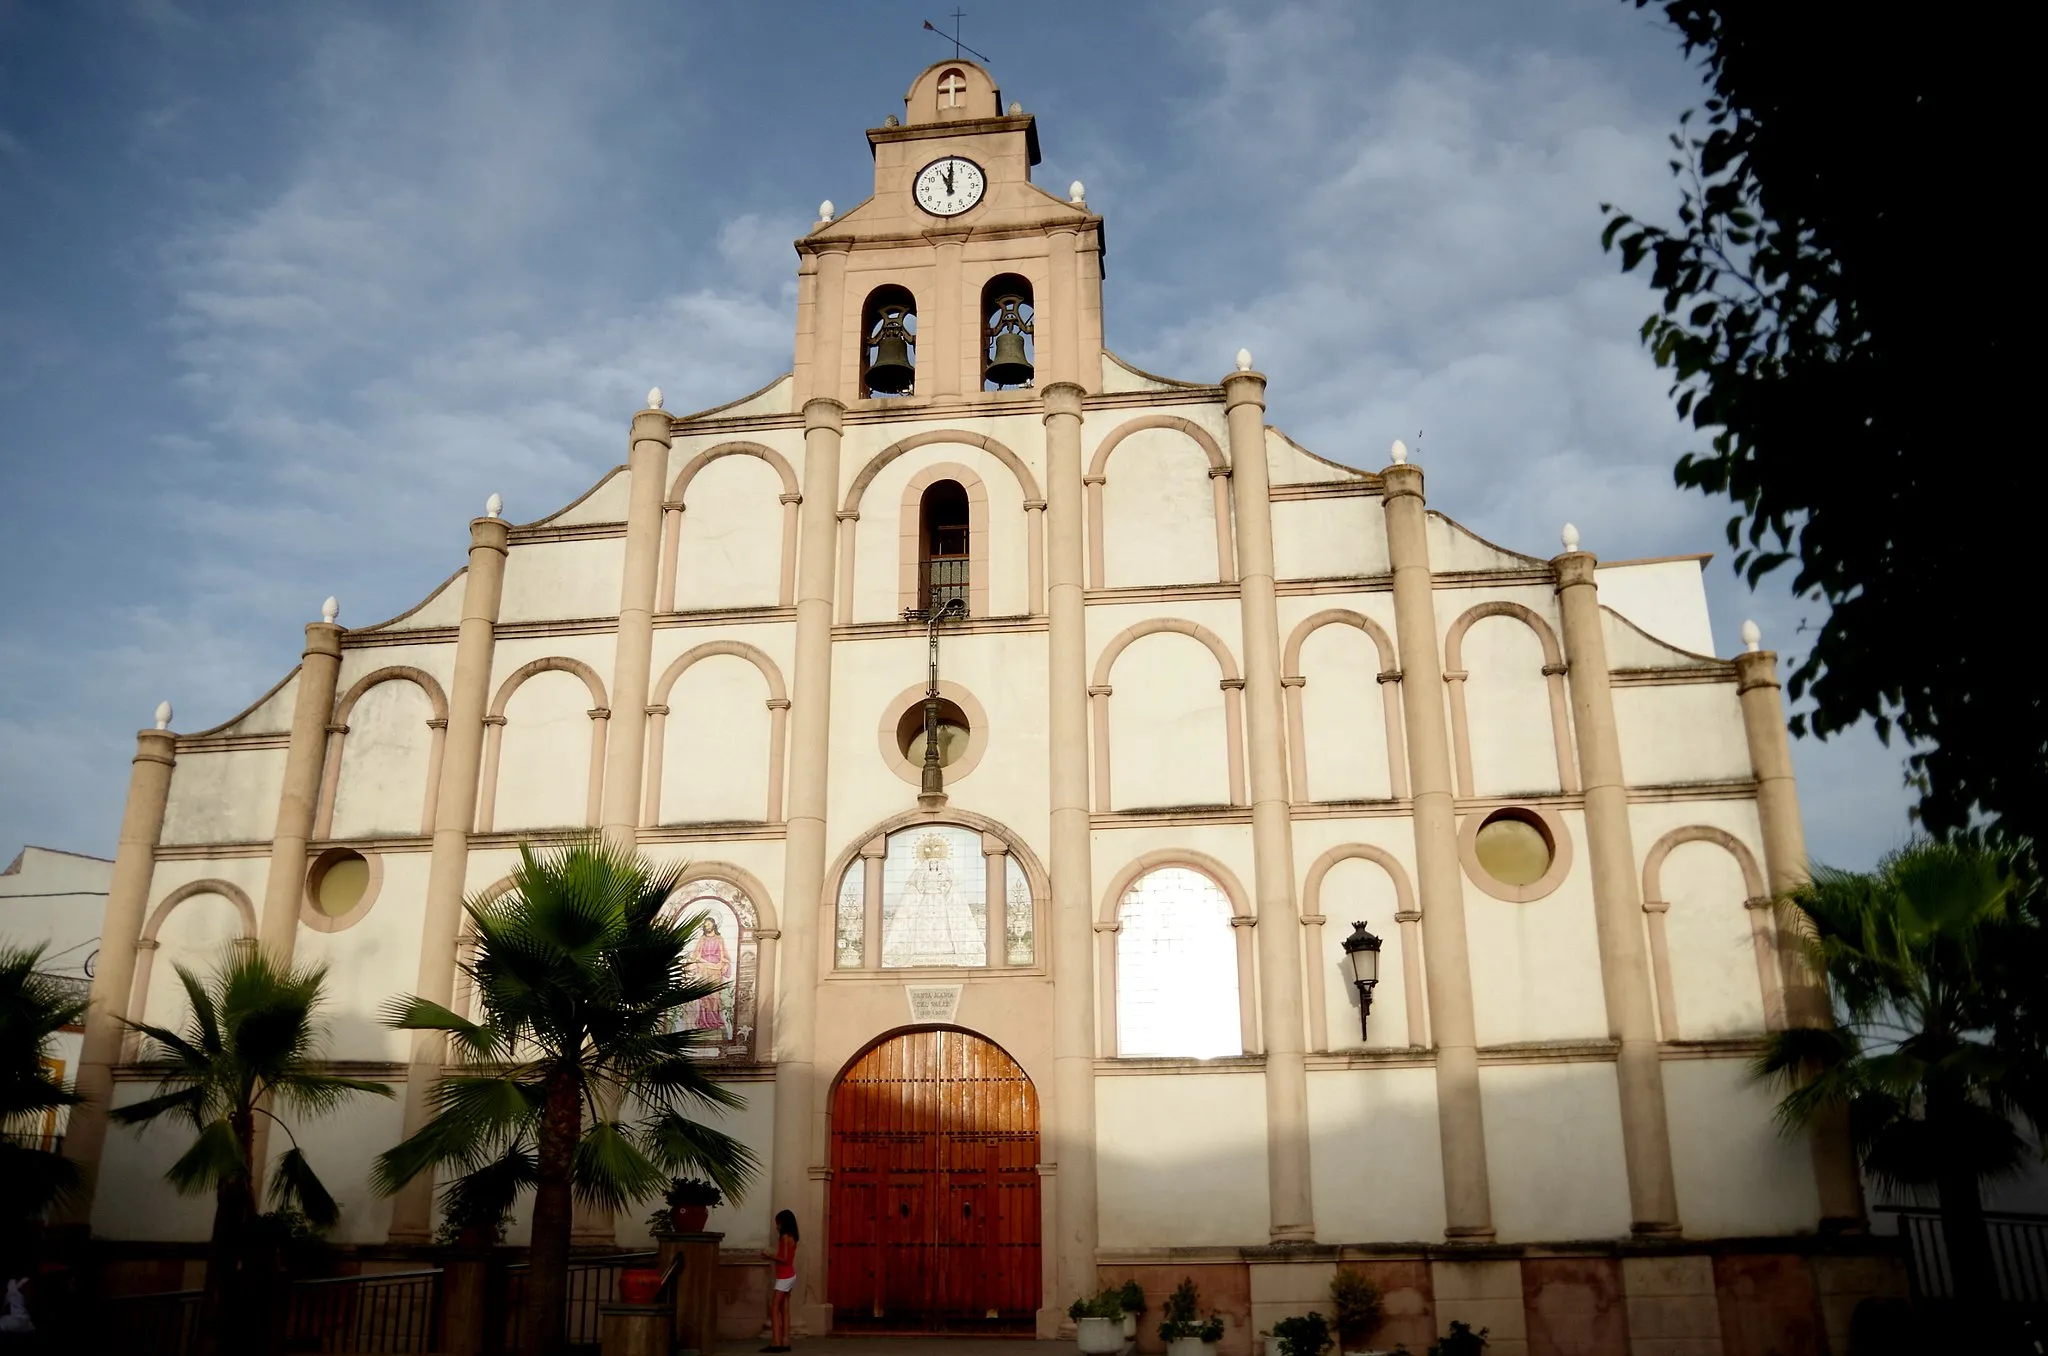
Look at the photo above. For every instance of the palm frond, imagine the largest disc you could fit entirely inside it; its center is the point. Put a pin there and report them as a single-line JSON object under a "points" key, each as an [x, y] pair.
{"points": [[214, 1158], [475, 1116], [205, 1021], [311, 1093], [184, 1101], [691, 1148], [33, 1180], [294, 1185], [611, 1171], [473, 1039]]}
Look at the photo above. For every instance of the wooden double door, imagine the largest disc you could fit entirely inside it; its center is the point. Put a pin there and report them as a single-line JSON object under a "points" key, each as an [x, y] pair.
{"points": [[934, 1214]]}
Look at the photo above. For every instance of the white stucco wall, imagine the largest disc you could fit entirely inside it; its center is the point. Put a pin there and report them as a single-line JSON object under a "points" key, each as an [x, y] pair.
{"points": [[715, 743], [1536, 965], [1667, 598], [224, 796], [1736, 1174], [1376, 1163], [548, 580], [729, 549], [544, 754], [195, 934], [1158, 1134], [1713, 960], [1344, 727], [1319, 538], [383, 782], [1553, 1150], [1685, 732], [1168, 732], [1507, 705], [371, 961], [1158, 512]]}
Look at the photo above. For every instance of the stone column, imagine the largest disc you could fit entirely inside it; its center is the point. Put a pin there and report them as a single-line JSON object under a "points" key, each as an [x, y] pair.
{"points": [[312, 710], [1439, 879], [1279, 936], [1806, 999], [469, 695], [1617, 901], [995, 855], [626, 739], [142, 824], [1071, 1144], [799, 1111]]}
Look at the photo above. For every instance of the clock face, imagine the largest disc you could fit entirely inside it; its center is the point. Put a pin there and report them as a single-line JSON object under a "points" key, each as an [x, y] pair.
{"points": [[948, 187]]}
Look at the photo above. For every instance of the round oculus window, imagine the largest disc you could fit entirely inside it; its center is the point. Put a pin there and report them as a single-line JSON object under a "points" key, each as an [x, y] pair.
{"points": [[340, 880], [953, 733], [1514, 849]]}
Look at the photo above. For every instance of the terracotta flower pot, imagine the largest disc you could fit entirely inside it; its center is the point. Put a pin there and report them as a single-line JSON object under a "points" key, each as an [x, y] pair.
{"points": [[691, 1219], [638, 1285]]}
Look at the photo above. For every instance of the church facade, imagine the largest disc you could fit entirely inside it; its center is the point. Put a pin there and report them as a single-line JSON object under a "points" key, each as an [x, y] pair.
{"points": [[1038, 732]]}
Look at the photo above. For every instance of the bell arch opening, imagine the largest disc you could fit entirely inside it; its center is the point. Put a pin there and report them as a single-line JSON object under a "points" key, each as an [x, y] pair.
{"points": [[934, 1217], [888, 350], [942, 546], [1008, 348]]}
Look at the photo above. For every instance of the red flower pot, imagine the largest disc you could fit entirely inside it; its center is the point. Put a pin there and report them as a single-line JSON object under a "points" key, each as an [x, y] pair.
{"points": [[638, 1285], [691, 1219]]}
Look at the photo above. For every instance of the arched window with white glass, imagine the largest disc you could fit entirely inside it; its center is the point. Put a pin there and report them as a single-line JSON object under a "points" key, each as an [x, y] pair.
{"points": [[1177, 968]]}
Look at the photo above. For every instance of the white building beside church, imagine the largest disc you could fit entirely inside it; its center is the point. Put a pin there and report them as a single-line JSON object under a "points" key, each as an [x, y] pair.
{"points": [[1085, 1013]]}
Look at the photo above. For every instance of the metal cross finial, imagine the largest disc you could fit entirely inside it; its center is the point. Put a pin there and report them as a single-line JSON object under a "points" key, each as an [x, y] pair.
{"points": [[933, 782], [958, 46]]}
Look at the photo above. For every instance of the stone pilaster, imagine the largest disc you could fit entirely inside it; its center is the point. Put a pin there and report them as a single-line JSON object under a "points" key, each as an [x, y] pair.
{"points": [[142, 824], [1617, 902], [1279, 917], [626, 751], [1070, 1145], [312, 712], [469, 695], [1439, 879], [800, 1136], [1784, 835]]}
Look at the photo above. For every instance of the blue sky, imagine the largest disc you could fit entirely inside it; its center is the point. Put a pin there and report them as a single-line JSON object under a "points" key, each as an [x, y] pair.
{"points": [[289, 290]]}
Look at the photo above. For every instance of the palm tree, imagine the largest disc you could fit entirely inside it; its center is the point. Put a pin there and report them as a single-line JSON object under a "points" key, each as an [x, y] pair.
{"points": [[1930, 1060], [33, 1006], [577, 1080], [252, 1044]]}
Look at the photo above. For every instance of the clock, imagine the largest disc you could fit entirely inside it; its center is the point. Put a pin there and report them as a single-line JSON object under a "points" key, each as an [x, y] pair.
{"points": [[949, 186]]}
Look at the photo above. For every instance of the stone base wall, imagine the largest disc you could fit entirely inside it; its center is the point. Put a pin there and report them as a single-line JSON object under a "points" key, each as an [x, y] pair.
{"points": [[1754, 1297]]}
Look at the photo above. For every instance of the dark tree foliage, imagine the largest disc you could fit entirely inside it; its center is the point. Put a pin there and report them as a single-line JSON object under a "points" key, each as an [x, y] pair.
{"points": [[1839, 315]]}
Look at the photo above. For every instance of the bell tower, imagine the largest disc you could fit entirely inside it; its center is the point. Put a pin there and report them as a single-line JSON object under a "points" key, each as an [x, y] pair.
{"points": [[958, 280]]}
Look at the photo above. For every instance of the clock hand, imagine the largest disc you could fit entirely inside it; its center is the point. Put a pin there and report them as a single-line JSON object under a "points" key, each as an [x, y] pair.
{"points": [[949, 181]]}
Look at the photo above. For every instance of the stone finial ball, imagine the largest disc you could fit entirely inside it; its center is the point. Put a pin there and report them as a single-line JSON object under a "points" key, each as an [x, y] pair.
{"points": [[1399, 452], [494, 506], [1752, 636], [1570, 537], [163, 715], [1244, 360], [329, 610]]}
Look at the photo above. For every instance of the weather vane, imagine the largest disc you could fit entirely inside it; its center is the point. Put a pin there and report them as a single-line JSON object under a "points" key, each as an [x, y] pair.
{"points": [[958, 46]]}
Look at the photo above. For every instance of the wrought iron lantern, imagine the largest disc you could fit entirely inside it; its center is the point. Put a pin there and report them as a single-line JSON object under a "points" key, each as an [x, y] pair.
{"points": [[1362, 953]]}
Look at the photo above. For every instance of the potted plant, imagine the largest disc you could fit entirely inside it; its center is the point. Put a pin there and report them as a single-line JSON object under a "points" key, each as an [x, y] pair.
{"points": [[1185, 1329], [1300, 1335], [687, 1206], [1098, 1323], [1460, 1341], [1358, 1309], [1133, 1298]]}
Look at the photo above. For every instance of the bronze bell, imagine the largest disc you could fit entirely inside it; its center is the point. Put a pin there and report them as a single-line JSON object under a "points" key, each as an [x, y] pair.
{"points": [[1009, 366], [891, 372]]}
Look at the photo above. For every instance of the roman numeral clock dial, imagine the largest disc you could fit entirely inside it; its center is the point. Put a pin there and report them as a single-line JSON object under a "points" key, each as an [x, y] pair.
{"points": [[948, 187]]}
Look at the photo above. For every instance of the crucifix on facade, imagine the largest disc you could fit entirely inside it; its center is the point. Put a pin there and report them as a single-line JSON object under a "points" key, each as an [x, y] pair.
{"points": [[932, 786]]}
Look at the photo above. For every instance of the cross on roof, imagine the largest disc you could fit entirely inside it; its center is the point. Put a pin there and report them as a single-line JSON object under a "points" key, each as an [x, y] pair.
{"points": [[951, 88]]}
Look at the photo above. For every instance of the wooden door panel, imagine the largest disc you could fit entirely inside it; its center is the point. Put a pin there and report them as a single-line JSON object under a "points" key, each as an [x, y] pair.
{"points": [[934, 1211]]}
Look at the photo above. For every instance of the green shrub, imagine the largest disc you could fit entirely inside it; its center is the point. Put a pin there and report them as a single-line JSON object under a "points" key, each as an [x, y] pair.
{"points": [[1133, 1297], [1108, 1304], [1460, 1341], [1359, 1309], [1302, 1334], [1184, 1317]]}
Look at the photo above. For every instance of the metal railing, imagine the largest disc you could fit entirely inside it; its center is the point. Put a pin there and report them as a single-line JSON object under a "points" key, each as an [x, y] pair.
{"points": [[592, 1281], [946, 578], [2019, 1254], [164, 1324], [387, 1311]]}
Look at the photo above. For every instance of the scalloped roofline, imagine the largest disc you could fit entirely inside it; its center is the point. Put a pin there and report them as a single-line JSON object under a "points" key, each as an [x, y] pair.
{"points": [[243, 714], [751, 395], [1358, 471], [1506, 551], [432, 594], [545, 519], [1138, 371], [1661, 642]]}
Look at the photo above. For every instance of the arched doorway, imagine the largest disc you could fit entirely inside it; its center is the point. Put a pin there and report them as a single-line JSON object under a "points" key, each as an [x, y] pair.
{"points": [[934, 1220]]}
